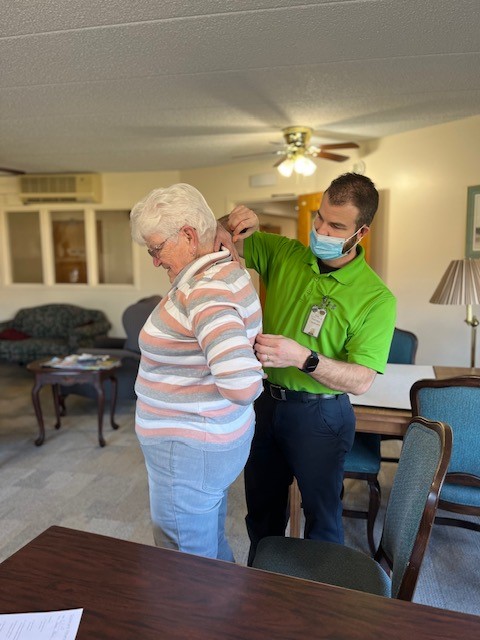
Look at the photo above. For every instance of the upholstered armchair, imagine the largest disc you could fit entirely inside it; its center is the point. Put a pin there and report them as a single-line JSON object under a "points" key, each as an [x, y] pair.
{"points": [[50, 330]]}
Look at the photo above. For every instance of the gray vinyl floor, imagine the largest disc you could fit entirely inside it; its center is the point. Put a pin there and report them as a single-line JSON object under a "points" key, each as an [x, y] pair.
{"points": [[72, 482]]}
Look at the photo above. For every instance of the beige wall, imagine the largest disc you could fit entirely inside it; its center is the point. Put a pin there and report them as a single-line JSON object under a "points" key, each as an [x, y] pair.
{"points": [[425, 174], [423, 177], [120, 191]]}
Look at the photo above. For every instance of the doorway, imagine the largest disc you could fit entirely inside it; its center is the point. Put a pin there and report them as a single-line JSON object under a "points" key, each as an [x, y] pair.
{"points": [[277, 216], [274, 216]]}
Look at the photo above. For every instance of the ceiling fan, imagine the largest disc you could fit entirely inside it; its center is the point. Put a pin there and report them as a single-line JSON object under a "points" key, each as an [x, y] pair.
{"points": [[297, 152]]}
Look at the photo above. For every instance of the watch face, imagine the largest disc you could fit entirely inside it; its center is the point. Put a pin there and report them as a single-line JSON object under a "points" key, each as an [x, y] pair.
{"points": [[311, 363]]}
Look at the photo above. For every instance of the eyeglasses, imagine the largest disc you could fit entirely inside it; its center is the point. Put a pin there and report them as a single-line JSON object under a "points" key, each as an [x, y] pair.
{"points": [[157, 250]]}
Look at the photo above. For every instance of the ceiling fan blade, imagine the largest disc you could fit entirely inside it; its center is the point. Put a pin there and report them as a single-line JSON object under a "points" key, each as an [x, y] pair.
{"points": [[253, 155], [329, 156], [340, 145], [279, 162], [13, 172]]}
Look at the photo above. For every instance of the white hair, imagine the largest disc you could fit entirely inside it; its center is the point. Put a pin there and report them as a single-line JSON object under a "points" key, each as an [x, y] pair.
{"points": [[168, 209]]}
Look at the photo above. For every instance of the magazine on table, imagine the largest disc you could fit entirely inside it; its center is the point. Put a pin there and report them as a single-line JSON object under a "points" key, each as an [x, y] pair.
{"points": [[83, 361]]}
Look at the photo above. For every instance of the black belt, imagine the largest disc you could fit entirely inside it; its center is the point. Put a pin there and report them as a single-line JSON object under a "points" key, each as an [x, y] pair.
{"points": [[279, 393]]}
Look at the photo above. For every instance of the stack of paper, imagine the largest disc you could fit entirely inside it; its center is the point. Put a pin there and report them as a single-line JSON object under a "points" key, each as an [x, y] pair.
{"points": [[83, 361]]}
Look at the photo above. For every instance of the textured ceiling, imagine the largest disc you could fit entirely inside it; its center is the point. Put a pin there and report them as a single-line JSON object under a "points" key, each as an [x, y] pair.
{"points": [[143, 85]]}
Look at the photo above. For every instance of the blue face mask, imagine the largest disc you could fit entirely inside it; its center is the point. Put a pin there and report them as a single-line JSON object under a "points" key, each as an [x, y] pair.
{"points": [[329, 247]]}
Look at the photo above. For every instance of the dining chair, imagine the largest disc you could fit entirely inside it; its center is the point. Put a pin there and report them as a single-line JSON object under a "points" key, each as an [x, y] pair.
{"points": [[456, 401], [403, 348], [364, 460], [411, 508]]}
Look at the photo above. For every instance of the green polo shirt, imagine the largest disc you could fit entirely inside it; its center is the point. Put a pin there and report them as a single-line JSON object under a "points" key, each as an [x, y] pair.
{"points": [[360, 309]]}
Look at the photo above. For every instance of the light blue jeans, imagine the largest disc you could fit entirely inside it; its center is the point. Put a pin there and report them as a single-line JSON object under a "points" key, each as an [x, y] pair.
{"points": [[188, 494]]}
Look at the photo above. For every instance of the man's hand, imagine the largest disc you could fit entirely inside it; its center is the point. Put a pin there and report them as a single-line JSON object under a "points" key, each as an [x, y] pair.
{"points": [[278, 351], [239, 224], [223, 238], [242, 222], [348, 377]]}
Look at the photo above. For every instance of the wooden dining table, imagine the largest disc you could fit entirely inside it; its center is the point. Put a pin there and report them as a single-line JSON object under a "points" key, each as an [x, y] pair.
{"points": [[394, 422], [131, 591], [386, 421]]}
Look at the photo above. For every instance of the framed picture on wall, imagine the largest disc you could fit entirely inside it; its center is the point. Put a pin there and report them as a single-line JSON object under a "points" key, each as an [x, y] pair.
{"points": [[472, 249]]}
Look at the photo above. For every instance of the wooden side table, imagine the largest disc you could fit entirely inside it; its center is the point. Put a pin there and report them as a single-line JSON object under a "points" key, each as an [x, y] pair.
{"points": [[56, 376]]}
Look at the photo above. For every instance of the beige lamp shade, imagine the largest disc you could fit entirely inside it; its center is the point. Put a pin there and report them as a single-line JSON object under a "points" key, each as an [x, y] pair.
{"points": [[460, 283]]}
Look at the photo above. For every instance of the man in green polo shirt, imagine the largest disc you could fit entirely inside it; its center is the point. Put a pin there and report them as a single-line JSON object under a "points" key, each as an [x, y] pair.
{"points": [[328, 323]]}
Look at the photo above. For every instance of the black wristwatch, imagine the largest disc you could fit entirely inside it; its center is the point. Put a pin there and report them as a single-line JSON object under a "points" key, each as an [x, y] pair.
{"points": [[310, 363]]}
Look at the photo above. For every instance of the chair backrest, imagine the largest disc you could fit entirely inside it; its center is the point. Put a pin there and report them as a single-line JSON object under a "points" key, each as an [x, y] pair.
{"points": [[455, 401], [413, 502], [403, 348], [56, 320], [133, 319]]}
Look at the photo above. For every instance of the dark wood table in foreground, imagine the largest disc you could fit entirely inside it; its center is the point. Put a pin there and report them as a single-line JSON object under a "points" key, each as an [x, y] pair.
{"points": [[67, 377], [138, 592]]}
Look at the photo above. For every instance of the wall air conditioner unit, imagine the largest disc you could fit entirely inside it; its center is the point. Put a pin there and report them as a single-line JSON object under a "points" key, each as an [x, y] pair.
{"points": [[61, 187]]}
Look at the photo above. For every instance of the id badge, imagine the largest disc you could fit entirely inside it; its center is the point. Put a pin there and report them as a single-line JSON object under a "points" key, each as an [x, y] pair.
{"points": [[314, 321]]}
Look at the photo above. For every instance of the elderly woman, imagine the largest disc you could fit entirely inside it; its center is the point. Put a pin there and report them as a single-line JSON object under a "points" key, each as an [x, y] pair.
{"points": [[198, 374]]}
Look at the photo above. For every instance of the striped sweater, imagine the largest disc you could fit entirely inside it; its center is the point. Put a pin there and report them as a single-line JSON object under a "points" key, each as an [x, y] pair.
{"points": [[198, 374]]}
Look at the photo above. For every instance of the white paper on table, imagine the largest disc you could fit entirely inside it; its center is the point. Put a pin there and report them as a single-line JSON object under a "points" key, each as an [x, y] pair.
{"points": [[48, 625], [392, 389]]}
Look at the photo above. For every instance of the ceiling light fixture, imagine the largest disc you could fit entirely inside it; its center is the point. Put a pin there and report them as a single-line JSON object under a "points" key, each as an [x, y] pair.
{"points": [[285, 168], [298, 162], [304, 166], [297, 152]]}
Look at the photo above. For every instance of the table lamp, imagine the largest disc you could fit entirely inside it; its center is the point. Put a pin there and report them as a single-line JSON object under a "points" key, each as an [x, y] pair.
{"points": [[460, 284]]}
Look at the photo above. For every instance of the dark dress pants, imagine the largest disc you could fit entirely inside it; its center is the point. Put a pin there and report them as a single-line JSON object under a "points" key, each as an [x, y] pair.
{"points": [[307, 440]]}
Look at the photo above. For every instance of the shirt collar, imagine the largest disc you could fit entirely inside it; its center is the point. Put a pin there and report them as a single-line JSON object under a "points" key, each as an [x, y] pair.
{"points": [[201, 264], [346, 274]]}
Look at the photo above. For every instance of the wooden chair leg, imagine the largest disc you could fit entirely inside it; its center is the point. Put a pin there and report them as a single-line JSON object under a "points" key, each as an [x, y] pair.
{"points": [[373, 507], [456, 522], [374, 497], [295, 509]]}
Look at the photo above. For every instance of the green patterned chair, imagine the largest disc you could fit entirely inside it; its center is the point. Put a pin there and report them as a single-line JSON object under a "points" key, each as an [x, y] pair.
{"points": [[50, 330]]}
